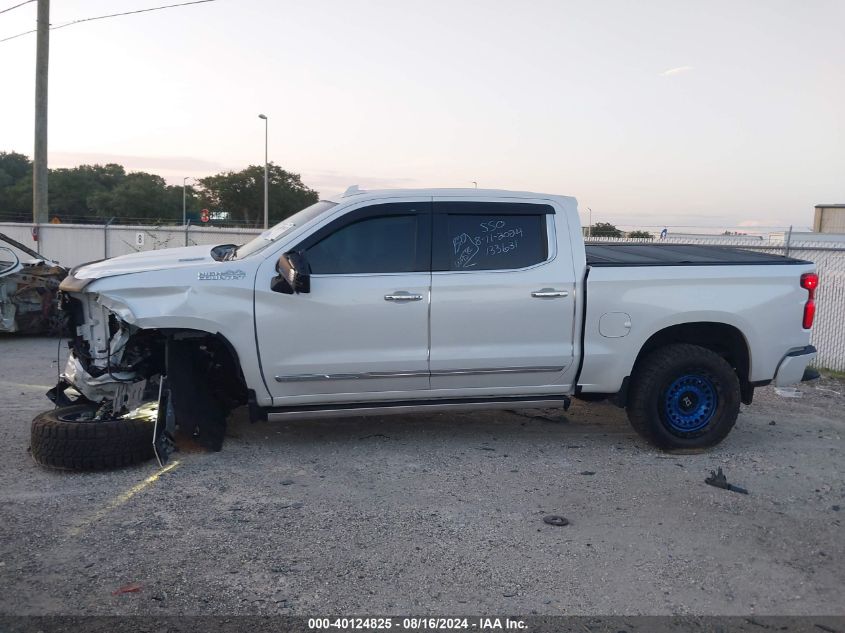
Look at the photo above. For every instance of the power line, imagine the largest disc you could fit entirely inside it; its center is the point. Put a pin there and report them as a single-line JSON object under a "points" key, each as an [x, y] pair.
{"points": [[6, 39], [16, 6], [114, 15], [103, 17]]}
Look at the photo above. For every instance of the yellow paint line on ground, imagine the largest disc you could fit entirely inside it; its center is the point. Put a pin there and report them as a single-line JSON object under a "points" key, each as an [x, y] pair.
{"points": [[6, 383], [122, 498]]}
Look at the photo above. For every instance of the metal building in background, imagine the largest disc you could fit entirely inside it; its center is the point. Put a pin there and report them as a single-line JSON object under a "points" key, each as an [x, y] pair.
{"points": [[829, 218]]}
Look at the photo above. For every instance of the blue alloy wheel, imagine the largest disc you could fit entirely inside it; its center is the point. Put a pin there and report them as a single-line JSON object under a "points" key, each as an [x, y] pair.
{"points": [[689, 403]]}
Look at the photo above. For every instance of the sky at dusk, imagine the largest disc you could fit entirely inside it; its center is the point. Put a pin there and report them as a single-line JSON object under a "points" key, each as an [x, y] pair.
{"points": [[710, 113]]}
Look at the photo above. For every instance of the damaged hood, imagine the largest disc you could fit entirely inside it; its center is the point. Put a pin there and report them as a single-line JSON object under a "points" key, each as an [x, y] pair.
{"points": [[162, 259]]}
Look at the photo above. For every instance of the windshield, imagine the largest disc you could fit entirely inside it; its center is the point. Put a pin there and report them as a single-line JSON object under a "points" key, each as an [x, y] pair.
{"points": [[275, 232]]}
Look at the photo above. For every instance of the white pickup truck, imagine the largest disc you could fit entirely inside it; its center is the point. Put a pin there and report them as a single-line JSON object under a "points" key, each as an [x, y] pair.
{"points": [[420, 300]]}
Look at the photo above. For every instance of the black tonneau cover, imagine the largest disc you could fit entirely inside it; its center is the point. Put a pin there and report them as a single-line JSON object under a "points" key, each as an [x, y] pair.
{"points": [[679, 255]]}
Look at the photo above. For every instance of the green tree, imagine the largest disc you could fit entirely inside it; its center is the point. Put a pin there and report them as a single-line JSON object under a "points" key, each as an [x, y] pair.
{"points": [[241, 194], [193, 203], [72, 189], [95, 193], [15, 187], [604, 229], [140, 197], [641, 234]]}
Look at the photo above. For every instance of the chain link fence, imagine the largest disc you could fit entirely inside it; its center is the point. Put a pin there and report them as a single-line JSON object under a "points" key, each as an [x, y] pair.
{"points": [[829, 257]]}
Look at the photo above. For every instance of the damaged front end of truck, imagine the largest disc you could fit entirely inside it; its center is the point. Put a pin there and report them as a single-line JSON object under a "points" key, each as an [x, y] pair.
{"points": [[178, 383]]}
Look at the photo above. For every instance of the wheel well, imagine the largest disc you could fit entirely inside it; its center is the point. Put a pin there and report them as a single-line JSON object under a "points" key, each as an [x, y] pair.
{"points": [[220, 361], [721, 338]]}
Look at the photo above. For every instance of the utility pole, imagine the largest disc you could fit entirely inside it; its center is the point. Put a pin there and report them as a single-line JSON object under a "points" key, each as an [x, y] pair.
{"points": [[39, 162]]}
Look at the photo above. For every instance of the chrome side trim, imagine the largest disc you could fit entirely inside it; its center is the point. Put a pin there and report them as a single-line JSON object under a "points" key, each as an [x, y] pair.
{"points": [[422, 407], [419, 374], [363, 376], [497, 370]]}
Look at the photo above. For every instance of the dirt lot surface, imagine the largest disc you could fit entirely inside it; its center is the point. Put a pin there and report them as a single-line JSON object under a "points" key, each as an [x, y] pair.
{"points": [[437, 514]]}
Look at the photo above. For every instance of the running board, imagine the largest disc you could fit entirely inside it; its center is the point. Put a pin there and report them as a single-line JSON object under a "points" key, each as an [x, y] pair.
{"points": [[308, 412]]}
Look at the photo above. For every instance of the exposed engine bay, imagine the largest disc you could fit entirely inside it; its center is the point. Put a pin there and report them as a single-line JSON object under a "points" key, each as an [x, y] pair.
{"points": [[188, 380]]}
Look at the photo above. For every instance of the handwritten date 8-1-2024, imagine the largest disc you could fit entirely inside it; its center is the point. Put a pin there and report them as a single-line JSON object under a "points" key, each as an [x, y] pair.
{"points": [[495, 237]]}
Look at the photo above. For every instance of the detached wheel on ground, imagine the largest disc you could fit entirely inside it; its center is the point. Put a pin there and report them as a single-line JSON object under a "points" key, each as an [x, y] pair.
{"points": [[683, 396], [70, 438]]}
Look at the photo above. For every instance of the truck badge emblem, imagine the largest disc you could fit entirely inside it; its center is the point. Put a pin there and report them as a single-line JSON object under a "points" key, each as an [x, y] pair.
{"points": [[222, 275]]}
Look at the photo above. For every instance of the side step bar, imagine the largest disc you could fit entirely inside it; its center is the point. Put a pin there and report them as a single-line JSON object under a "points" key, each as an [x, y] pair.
{"points": [[307, 412]]}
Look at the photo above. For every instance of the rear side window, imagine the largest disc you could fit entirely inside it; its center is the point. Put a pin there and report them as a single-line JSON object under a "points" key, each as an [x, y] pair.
{"points": [[486, 240], [386, 244]]}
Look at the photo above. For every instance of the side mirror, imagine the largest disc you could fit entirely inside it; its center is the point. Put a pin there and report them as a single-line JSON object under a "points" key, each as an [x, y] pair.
{"points": [[294, 274]]}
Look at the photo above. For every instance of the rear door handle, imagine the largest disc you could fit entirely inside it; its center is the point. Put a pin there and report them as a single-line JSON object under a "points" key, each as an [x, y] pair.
{"points": [[402, 296], [549, 293]]}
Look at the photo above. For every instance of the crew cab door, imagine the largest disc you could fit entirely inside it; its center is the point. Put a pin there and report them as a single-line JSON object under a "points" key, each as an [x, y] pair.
{"points": [[502, 298], [361, 333]]}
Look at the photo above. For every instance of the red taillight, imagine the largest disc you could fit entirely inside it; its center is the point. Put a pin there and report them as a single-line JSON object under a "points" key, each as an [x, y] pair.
{"points": [[809, 314], [809, 281]]}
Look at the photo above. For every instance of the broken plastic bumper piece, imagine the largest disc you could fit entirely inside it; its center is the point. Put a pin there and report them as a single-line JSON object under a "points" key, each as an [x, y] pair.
{"points": [[791, 369]]}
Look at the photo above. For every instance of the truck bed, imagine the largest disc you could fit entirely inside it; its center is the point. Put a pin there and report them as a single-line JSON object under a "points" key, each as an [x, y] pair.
{"points": [[679, 255]]}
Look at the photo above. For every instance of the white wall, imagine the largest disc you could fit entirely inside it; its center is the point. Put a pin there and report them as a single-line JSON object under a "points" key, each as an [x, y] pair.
{"points": [[74, 244]]}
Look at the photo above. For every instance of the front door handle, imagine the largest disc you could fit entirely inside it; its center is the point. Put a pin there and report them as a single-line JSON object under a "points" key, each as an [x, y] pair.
{"points": [[402, 296], [549, 293]]}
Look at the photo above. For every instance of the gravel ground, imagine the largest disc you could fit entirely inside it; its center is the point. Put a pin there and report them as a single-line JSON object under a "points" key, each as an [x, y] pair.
{"points": [[431, 514]]}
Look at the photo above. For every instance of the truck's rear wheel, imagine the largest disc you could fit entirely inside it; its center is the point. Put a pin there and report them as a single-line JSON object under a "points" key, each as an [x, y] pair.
{"points": [[683, 396], [70, 438]]}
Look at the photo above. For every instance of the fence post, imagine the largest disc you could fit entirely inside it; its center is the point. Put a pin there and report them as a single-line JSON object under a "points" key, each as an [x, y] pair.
{"points": [[187, 226], [788, 240], [106, 238]]}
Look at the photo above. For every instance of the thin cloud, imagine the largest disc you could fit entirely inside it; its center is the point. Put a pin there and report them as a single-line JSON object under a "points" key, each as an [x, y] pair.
{"points": [[676, 71], [329, 183], [132, 162]]}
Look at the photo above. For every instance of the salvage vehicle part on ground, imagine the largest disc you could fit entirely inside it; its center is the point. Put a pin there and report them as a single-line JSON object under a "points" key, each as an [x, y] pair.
{"points": [[28, 292], [69, 438]]}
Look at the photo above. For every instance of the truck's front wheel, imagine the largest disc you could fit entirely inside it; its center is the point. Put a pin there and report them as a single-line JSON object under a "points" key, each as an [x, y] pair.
{"points": [[683, 396]]}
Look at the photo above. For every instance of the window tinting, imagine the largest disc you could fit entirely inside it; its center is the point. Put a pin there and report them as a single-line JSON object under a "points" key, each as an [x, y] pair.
{"points": [[386, 244], [491, 242]]}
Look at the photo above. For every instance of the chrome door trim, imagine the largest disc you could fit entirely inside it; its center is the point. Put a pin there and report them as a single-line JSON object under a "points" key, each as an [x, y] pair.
{"points": [[418, 374], [496, 370], [362, 376]]}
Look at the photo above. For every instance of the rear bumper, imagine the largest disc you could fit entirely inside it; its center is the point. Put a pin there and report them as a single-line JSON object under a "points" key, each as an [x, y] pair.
{"points": [[792, 366]]}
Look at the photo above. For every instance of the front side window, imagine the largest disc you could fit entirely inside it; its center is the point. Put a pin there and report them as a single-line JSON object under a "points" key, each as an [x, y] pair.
{"points": [[385, 244]]}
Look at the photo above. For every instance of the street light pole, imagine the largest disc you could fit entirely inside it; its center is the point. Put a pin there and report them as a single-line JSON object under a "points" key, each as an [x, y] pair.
{"points": [[266, 176], [184, 205]]}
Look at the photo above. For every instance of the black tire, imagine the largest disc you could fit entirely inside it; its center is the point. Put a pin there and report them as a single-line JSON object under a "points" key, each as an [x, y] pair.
{"points": [[66, 438], [683, 396]]}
